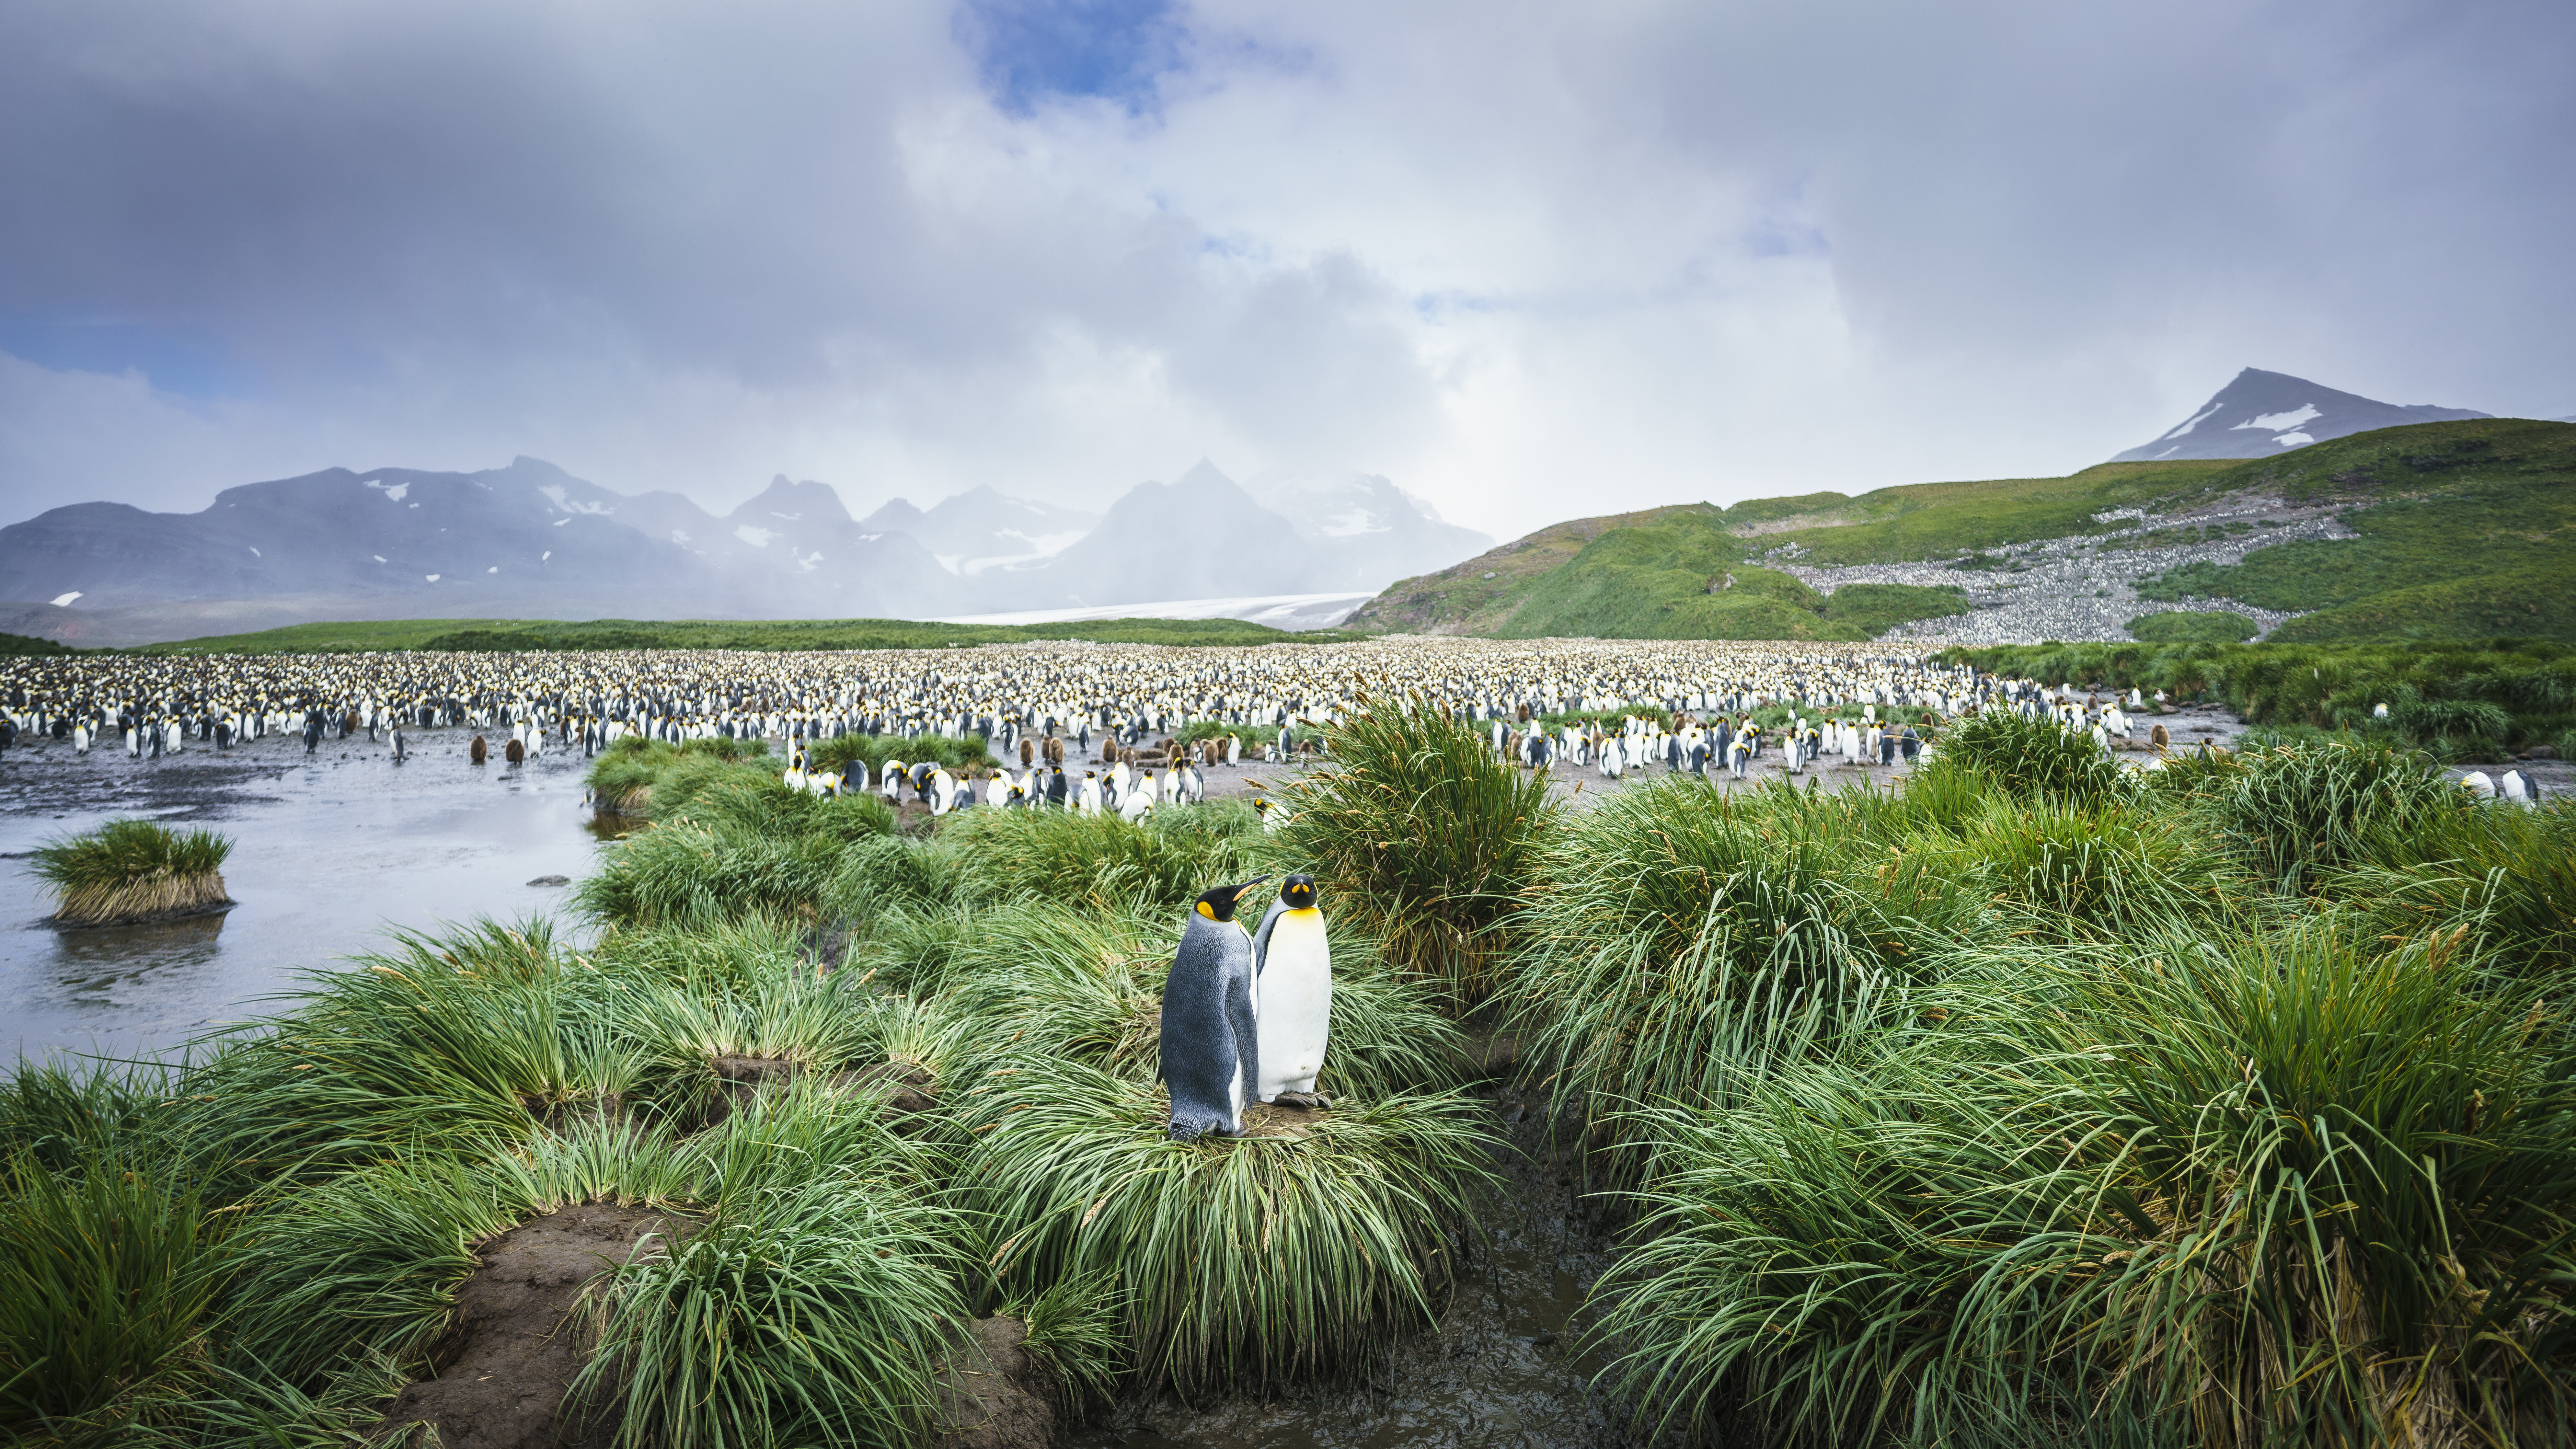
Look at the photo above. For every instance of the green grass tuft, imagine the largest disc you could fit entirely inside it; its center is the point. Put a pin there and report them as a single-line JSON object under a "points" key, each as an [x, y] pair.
{"points": [[127, 870], [2030, 759], [2297, 1190], [1423, 837], [2185, 626], [1240, 1262]]}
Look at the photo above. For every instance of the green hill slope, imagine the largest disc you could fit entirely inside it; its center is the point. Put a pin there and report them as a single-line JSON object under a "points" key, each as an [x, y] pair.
{"points": [[2464, 530]]}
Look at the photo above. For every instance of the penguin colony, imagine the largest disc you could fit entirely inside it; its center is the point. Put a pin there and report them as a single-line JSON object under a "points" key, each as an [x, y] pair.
{"points": [[1086, 693], [1052, 704]]}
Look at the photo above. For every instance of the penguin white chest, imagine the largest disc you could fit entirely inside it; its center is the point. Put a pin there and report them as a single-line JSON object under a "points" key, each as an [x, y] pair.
{"points": [[1296, 1003]]}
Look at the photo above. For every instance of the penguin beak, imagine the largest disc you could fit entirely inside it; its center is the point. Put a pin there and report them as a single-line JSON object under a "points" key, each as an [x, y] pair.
{"points": [[1241, 890]]}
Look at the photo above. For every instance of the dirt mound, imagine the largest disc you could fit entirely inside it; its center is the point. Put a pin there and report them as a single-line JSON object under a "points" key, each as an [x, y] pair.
{"points": [[915, 1089], [514, 1347], [993, 1394], [1264, 1119]]}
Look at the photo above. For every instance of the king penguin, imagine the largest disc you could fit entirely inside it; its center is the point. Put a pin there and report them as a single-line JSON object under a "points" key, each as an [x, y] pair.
{"points": [[1210, 1039], [1293, 966]]}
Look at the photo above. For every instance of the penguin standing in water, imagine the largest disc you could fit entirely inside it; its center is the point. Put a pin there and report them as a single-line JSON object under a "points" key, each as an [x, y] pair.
{"points": [[1210, 1040], [1293, 966]]}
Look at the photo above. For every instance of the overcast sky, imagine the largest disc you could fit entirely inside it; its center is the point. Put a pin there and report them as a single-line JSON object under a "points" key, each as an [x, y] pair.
{"points": [[1528, 260]]}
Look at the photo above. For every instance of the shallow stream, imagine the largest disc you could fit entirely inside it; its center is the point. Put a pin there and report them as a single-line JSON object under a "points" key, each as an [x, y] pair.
{"points": [[329, 853]]}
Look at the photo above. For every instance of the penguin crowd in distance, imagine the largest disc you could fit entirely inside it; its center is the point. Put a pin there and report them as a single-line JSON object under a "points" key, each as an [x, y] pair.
{"points": [[1057, 706], [1060, 699]]}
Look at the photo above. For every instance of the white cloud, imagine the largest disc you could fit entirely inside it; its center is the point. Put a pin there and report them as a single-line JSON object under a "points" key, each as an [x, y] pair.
{"points": [[1525, 259]]}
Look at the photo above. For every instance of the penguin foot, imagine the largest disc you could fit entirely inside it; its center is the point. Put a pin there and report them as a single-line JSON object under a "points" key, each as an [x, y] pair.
{"points": [[1303, 1101]]}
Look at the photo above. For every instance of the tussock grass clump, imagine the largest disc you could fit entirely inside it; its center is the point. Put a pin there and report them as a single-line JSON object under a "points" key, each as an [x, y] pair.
{"points": [[690, 1044], [1238, 1263], [2295, 1190], [57, 1117], [2504, 877], [807, 1306], [896, 877], [1424, 836], [2029, 759], [1684, 941], [640, 776], [134, 870], [955, 752], [2302, 811], [2099, 868], [756, 802], [1040, 980], [451, 1042], [1102, 859], [679, 874], [111, 1269]]}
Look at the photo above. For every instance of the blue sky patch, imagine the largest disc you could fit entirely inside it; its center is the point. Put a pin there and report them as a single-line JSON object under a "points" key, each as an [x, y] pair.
{"points": [[179, 362], [1031, 51]]}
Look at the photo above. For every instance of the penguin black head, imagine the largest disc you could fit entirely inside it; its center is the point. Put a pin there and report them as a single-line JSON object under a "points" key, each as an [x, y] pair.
{"points": [[1218, 904], [1297, 893]]}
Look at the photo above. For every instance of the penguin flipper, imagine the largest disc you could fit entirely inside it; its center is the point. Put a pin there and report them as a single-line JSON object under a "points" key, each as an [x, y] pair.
{"points": [[1247, 1040]]}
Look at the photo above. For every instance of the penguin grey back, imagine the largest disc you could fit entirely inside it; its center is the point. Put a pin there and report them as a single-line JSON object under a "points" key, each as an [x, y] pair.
{"points": [[1210, 1043]]}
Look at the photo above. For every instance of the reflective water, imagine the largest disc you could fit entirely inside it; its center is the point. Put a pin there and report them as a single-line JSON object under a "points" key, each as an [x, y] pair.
{"points": [[329, 852]]}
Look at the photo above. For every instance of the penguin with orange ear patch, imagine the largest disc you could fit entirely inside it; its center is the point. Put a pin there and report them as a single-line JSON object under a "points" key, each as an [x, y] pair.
{"points": [[1210, 1039]]}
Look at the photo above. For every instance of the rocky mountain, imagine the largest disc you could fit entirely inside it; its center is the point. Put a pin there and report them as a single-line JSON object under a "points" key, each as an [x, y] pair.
{"points": [[528, 538], [531, 540], [2262, 413]]}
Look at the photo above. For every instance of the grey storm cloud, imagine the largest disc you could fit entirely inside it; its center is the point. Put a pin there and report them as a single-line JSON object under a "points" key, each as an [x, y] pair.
{"points": [[1527, 259]]}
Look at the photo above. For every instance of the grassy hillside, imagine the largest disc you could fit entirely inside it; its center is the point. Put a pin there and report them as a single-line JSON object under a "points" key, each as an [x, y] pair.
{"points": [[493, 635], [1666, 573], [28, 644], [2466, 530], [1920, 521]]}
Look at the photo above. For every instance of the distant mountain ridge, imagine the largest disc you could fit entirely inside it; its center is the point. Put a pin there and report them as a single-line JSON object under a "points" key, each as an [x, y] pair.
{"points": [[531, 540], [2259, 414]]}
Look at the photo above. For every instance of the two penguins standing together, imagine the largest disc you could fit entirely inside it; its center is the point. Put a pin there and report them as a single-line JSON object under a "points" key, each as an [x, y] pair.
{"points": [[1245, 1019]]}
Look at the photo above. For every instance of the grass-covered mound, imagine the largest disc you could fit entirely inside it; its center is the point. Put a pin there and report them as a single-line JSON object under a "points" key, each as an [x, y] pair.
{"points": [[1423, 836], [2186, 626], [134, 870], [2459, 701], [624, 778], [2293, 1188], [2048, 1101], [1231, 1261], [2464, 532], [730, 838], [956, 752]]}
